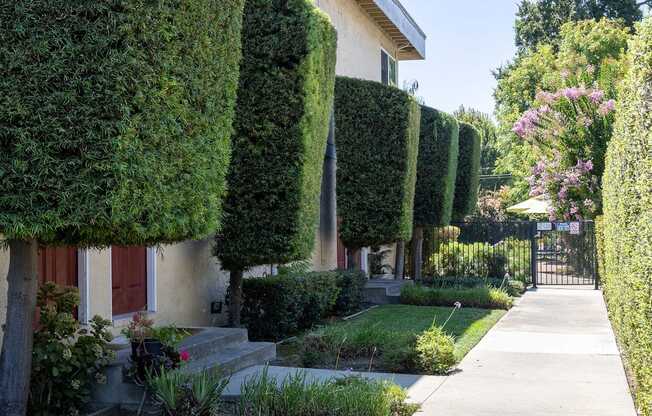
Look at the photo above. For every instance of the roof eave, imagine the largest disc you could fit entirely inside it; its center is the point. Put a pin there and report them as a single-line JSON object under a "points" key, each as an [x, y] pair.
{"points": [[392, 17]]}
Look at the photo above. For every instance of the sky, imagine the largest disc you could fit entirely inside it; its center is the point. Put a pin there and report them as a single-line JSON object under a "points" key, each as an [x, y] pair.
{"points": [[466, 40]]}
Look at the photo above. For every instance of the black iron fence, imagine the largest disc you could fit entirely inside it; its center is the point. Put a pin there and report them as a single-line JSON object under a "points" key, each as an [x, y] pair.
{"points": [[533, 252], [486, 250]]}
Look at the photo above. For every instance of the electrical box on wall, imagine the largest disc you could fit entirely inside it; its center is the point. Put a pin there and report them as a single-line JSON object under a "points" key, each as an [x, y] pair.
{"points": [[216, 307]]}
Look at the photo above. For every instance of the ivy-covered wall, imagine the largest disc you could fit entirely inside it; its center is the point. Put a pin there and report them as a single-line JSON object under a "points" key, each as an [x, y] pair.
{"points": [[468, 172], [285, 99], [436, 168], [627, 223], [116, 118], [377, 136]]}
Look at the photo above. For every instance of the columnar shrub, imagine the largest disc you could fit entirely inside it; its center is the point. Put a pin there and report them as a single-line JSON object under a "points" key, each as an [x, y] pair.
{"points": [[116, 119], [285, 99], [284, 102], [468, 172], [627, 221], [377, 134], [436, 168], [115, 129]]}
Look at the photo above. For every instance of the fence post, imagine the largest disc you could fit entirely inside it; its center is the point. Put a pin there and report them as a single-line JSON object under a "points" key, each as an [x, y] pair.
{"points": [[533, 252]]}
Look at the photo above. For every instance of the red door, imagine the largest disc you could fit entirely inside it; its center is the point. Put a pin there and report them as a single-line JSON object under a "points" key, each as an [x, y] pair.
{"points": [[129, 279], [58, 265]]}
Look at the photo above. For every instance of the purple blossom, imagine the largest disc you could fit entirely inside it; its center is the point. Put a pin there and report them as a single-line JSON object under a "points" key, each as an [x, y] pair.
{"points": [[596, 96], [573, 93], [546, 97], [563, 193], [607, 107]]}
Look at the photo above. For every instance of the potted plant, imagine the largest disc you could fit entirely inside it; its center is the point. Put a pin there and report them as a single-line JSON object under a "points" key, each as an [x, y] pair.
{"points": [[142, 336]]}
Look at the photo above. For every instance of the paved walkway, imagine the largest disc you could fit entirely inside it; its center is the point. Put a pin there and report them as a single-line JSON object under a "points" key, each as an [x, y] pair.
{"points": [[554, 354]]}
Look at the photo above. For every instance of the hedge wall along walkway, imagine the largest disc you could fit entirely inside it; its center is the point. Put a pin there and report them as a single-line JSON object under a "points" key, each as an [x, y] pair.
{"points": [[284, 104], [468, 172], [437, 168], [628, 218], [377, 135]]}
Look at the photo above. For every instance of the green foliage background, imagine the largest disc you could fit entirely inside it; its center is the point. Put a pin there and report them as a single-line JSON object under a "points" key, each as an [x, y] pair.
{"points": [[601, 44], [436, 168], [284, 103], [627, 221], [468, 172], [377, 134], [116, 118]]}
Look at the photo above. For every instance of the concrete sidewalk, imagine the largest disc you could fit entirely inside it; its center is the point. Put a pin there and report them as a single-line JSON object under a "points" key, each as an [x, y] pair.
{"points": [[552, 354]]}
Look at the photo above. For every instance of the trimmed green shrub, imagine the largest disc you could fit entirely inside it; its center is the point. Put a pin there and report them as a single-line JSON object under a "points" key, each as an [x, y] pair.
{"points": [[377, 134], [436, 168], [435, 351], [480, 297], [599, 245], [280, 306], [284, 103], [511, 286], [351, 284], [297, 396], [627, 224], [116, 119], [468, 172]]}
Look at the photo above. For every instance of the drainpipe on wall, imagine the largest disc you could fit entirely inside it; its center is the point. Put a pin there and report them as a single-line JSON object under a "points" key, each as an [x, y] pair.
{"points": [[328, 204]]}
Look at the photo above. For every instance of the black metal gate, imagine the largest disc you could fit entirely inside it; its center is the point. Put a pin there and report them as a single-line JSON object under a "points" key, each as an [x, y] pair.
{"points": [[537, 253], [566, 254]]}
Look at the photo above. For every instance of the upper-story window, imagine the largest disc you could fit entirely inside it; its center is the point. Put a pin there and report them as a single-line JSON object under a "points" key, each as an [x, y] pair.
{"points": [[388, 72]]}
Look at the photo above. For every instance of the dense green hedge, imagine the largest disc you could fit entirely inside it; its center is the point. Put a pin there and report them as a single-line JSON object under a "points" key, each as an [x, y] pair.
{"points": [[436, 168], [627, 193], [377, 135], [479, 297], [284, 104], [116, 118], [468, 172], [280, 306]]}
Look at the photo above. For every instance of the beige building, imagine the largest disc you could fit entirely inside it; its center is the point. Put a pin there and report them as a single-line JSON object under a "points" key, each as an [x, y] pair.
{"points": [[183, 283]]}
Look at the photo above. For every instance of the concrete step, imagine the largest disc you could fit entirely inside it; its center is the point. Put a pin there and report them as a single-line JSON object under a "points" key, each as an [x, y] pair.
{"points": [[212, 340], [384, 291], [234, 358]]}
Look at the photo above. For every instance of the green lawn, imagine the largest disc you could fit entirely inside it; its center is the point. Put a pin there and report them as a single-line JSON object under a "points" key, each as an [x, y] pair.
{"points": [[388, 334]]}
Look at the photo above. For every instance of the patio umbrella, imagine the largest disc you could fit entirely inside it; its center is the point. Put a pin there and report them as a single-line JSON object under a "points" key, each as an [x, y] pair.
{"points": [[535, 205]]}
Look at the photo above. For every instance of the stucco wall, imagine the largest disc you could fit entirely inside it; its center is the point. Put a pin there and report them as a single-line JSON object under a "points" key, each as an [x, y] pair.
{"points": [[359, 39]]}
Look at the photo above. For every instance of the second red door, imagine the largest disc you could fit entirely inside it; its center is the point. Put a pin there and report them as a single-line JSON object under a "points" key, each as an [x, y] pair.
{"points": [[129, 279]]}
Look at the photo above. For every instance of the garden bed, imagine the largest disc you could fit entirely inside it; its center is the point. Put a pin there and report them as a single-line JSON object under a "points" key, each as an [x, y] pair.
{"points": [[383, 339]]}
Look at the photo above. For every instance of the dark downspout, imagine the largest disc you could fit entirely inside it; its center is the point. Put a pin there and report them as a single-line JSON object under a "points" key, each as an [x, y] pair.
{"points": [[328, 204]]}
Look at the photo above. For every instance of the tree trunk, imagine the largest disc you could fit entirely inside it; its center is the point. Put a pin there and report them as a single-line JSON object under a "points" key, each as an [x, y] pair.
{"points": [[352, 259], [235, 304], [16, 356], [417, 252], [400, 260]]}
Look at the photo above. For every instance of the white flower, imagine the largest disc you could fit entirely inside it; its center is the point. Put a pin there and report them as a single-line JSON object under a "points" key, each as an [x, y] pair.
{"points": [[457, 305]]}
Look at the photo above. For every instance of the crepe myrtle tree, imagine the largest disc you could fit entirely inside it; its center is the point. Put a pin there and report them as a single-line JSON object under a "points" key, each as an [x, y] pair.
{"points": [[285, 98], [436, 172], [115, 129], [377, 134]]}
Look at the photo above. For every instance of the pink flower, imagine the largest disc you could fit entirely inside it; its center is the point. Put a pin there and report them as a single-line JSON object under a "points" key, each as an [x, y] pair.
{"points": [[545, 97], [574, 93], [607, 107], [184, 356], [596, 96]]}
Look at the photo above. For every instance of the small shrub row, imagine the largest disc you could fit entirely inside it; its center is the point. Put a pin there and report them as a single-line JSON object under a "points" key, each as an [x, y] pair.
{"points": [[280, 306], [298, 396], [511, 286], [480, 297]]}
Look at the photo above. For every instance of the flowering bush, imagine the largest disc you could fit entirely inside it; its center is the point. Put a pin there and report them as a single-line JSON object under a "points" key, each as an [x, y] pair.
{"points": [[573, 192], [571, 129], [66, 360]]}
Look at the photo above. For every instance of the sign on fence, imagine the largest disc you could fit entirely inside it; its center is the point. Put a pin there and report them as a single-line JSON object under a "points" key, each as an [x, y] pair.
{"points": [[544, 226], [563, 227]]}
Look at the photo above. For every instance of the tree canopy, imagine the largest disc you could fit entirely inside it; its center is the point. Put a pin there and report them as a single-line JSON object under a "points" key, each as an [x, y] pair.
{"points": [[540, 21]]}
